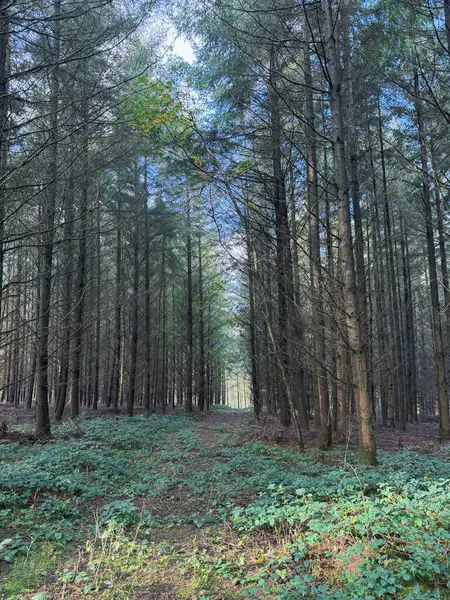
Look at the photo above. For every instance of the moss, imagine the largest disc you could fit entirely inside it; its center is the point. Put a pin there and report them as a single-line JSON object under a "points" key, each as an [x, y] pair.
{"points": [[30, 570]]}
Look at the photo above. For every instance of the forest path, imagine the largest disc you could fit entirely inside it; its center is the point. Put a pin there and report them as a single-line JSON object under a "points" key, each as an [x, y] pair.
{"points": [[156, 489], [212, 424], [182, 507]]}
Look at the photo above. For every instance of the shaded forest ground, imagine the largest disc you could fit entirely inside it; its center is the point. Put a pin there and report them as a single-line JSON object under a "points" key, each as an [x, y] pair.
{"points": [[423, 434], [214, 507]]}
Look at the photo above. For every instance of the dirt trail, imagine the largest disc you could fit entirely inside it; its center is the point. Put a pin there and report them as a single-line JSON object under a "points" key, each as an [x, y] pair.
{"points": [[211, 425]]}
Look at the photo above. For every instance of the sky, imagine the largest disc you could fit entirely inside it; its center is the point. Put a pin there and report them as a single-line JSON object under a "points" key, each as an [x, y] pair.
{"points": [[183, 49]]}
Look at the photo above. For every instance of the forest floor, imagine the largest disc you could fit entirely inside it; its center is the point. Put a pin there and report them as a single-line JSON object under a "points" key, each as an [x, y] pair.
{"points": [[215, 507]]}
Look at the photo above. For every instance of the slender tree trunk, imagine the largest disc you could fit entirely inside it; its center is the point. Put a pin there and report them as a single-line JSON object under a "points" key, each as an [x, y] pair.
{"points": [[315, 262], [367, 448], [255, 377], [397, 381], [201, 326], [147, 306], [80, 289], [4, 134], [116, 364], [47, 241], [190, 313], [442, 251], [432, 271], [164, 378], [361, 284], [98, 298], [332, 349], [134, 302], [409, 330], [379, 292], [33, 364], [67, 307], [286, 304]]}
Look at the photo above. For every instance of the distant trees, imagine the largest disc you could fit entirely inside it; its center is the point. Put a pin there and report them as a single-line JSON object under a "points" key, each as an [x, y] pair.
{"points": [[90, 246], [310, 163], [320, 124]]}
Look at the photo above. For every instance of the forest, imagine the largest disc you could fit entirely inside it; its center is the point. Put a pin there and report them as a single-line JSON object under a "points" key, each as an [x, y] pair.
{"points": [[224, 299]]}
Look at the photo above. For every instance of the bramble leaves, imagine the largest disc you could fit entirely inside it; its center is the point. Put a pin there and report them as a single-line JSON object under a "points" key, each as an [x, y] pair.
{"points": [[274, 523]]}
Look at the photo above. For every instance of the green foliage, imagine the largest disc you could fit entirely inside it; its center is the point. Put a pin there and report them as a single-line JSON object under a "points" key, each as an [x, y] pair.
{"points": [[301, 525], [152, 110], [29, 569], [121, 511], [383, 529]]}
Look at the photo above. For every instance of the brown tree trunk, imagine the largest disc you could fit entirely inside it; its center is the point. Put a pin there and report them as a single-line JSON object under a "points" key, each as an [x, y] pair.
{"points": [[98, 298], [201, 330], [361, 284], [432, 271], [442, 252], [315, 263], [190, 312], [254, 370], [63, 379], [47, 241], [147, 307], [398, 392], [286, 305], [367, 448], [114, 391], [80, 289], [409, 331], [131, 396], [4, 134]]}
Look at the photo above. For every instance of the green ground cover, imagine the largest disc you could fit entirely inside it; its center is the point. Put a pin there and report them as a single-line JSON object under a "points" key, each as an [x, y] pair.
{"points": [[176, 508]]}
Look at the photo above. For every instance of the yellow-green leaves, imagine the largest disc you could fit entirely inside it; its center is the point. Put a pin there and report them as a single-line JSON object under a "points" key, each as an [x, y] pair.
{"points": [[152, 109]]}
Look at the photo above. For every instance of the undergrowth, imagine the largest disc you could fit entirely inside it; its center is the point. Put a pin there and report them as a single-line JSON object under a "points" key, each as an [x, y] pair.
{"points": [[144, 506]]}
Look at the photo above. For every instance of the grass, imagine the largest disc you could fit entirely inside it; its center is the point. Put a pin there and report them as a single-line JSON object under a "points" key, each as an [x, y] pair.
{"points": [[174, 508]]}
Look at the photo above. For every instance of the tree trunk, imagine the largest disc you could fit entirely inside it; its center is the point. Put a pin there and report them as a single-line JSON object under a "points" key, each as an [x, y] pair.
{"points": [[398, 383], [98, 298], [134, 301], [63, 379], [409, 331], [147, 306], [367, 448], [80, 288], [432, 271], [47, 241], [442, 252], [201, 330], [286, 304], [113, 399], [254, 371], [315, 263], [361, 285], [4, 133], [190, 313]]}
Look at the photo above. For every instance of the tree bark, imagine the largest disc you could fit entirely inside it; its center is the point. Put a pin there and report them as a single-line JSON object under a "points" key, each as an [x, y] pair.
{"points": [[201, 329], [286, 304], [4, 134], [432, 271], [80, 288], [131, 396], [367, 448], [47, 241], [190, 312], [63, 378], [315, 262]]}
